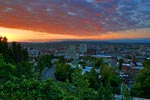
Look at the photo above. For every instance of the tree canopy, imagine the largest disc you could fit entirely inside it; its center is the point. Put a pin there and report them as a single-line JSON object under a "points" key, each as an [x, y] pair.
{"points": [[141, 88]]}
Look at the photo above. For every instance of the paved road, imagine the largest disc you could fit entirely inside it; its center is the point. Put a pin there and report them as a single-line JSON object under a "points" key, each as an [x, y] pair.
{"points": [[48, 73]]}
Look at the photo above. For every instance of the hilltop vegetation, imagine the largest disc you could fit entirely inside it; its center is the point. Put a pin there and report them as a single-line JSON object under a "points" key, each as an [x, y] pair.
{"points": [[18, 80]]}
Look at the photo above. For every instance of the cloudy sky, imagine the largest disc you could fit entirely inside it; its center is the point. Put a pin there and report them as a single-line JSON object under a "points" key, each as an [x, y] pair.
{"points": [[48, 20]]}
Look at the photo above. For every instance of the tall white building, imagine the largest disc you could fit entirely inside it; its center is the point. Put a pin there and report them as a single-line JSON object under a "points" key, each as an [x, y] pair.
{"points": [[71, 47], [83, 48], [71, 53]]}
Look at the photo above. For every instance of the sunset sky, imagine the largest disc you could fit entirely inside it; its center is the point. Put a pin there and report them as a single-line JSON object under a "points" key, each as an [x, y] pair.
{"points": [[50, 20]]}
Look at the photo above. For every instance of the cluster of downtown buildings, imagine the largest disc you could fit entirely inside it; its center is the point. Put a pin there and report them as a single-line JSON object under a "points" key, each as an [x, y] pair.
{"points": [[132, 56]]}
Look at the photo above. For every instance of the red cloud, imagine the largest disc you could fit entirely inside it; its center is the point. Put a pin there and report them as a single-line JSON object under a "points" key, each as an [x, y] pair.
{"points": [[35, 17]]}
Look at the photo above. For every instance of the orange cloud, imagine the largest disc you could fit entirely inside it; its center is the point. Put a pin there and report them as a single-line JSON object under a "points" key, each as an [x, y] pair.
{"points": [[72, 19]]}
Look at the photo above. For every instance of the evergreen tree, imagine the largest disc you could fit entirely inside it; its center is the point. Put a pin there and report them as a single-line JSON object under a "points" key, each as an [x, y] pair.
{"points": [[4, 48]]}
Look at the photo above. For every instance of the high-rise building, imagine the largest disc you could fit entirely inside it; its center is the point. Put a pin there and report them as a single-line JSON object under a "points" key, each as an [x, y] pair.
{"points": [[71, 47], [83, 48], [71, 53]]}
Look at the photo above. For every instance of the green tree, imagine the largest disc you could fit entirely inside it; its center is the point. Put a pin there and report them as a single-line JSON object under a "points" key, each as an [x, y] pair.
{"points": [[105, 92], [50, 90], [82, 90], [1, 59], [92, 76], [4, 48], [109, 76], [43, 62], [61, 59], [69, 90], [24, 68], [126, 93], [63, 72], [82, 63], [141, 88], [98, 62], [109, 83], [6, 71], [16, 52]]}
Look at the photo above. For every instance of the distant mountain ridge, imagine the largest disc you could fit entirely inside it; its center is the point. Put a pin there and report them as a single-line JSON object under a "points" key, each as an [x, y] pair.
{"points": [[137, 40]]}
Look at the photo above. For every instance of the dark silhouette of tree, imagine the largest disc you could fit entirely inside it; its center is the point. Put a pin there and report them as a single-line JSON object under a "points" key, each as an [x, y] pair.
{"points": [[4, 48], [14, 53]]}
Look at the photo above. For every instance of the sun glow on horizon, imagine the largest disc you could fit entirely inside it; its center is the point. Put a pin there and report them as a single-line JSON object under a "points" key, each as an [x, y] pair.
{"points": [[32, 36]]}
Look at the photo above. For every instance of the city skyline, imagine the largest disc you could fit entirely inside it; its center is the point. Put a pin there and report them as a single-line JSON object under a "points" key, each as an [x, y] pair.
{"points": [[52, 20]]}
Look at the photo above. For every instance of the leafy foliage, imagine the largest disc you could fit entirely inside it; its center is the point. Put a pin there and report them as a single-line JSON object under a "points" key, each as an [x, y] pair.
{"points": [[98, 62], [142, 87], [14, 53], [63, 72], [17, 80], [13, 87], [43, 62], [126, 93], [105, 93], [24, 68], [109, 76], [18, 53], [6, 72], [92, 76], [82, 90], [26, 89]]}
